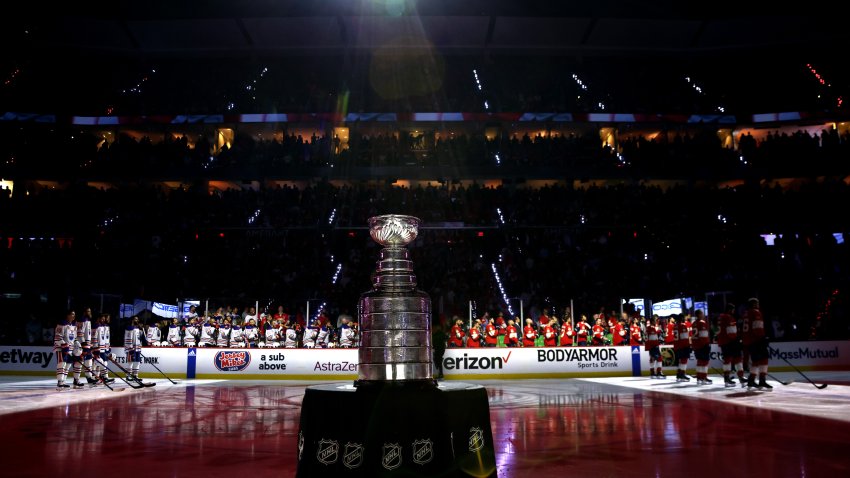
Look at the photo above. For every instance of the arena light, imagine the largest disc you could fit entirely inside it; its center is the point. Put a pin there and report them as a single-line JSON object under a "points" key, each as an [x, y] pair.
{"points": [[332, 217], [336, 274], [254, 217], [501, 218], [501, 288], [498, 160]]}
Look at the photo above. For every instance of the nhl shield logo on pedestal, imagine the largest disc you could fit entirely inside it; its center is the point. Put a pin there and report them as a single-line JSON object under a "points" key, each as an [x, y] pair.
{"points": [[476, 439], [328, 451], [391, 458], [352, 457], [423, 451]]}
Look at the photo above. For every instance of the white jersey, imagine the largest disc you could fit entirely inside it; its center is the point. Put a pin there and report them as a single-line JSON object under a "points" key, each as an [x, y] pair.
{"points": [[272, 335], [207, 334], [223, 336], [103, 338], [322, 339], [84, 331], [346, 336], [249, 318], [236, 338], [250, 334], [191, 335], [310, 338], [173, 336], [291, 339], [64, 335], [153, 334], [132, 339]]}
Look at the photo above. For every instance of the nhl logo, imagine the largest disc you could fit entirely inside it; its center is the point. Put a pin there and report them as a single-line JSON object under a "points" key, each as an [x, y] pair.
{"points": [[328, 451], [476, 439], [392, 456], [352, 457], [423, 451]]}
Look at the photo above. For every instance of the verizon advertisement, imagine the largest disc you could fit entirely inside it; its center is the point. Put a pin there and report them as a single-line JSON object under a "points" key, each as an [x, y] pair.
{"points": [[285, 364], [540, 362]]}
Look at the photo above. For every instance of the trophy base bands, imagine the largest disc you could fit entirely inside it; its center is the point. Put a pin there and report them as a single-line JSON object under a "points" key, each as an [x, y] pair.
{"points": [[401, 429]]}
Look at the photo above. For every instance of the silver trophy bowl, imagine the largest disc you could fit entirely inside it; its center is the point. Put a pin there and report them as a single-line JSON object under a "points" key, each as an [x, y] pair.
{"points": [[393, 230]]}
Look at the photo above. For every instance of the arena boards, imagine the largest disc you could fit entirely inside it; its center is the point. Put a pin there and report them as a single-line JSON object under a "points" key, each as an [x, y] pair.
{"points": [[458, 364]]}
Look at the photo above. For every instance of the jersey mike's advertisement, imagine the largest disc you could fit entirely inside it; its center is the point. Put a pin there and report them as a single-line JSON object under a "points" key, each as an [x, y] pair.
{"points": [[283, 364]]}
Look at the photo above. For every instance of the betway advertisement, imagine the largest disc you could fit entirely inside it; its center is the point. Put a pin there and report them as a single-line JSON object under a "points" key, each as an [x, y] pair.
{"points": [[15, 360], [285, 364], [548, 362]]}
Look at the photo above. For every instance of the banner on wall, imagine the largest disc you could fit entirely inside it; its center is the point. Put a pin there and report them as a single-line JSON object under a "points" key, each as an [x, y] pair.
{"points": [[478, 363], [666, 308]]}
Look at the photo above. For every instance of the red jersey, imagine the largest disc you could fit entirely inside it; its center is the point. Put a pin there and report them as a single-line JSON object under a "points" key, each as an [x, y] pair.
{"points": [[474, 339], [528, 336], [549, 336], [619, 334], [652, 337], [500, 325], [582, 329], [670, 336], [700, 332], [456, 336], [683, 336], [511, 335], [598, 334], [490, 335], [728, 329], [567, 334], [282, 318], [634, 335], [753, 326]]}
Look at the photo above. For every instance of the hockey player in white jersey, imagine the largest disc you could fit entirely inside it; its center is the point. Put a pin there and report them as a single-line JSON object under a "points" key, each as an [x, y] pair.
{"points": [[273, 335], [237, 338], [310, 334], [101, 348], [223, 334], [191, 333], [346, 334], [153, 335], [250, 334], [133, 348], [291, 336], [83, 345], [173, 336], [207, 333], [324, 336], [63, 340]]}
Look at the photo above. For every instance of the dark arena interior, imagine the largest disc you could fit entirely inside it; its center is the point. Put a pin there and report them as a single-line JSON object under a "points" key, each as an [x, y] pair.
{"points": [[632, 224]]}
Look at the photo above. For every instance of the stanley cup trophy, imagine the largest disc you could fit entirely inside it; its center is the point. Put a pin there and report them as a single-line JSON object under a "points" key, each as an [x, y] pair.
{"points": [[395, 420], [395, 318]]}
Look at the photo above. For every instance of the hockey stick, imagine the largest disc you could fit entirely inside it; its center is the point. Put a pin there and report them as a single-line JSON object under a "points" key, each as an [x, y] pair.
{"points": [[89, 370], [819, 387], [158, 370], [134, 386], [128, 374], [777, 380]]}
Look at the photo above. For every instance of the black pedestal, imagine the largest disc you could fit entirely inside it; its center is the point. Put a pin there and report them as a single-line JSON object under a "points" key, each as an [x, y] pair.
{"points": [[414, 430]]}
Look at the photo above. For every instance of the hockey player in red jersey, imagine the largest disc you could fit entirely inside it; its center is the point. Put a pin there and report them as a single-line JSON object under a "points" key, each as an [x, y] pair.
{"points": [[682, 347], [619, 332], [511, 334], [456, 335], [491, 336], [550, 337], [567, 334], [701, 346], [756, 340], [670, 332], [730, 345], [529, 335], [598, 333], [474, 339], [652, 345], [635, 337], [582, 331]]}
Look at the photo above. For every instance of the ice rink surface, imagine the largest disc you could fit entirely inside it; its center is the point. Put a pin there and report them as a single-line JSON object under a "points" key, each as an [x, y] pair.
{"points": [[623, 427]]}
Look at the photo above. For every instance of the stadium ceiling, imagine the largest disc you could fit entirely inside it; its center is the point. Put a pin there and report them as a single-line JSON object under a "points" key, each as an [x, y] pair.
{"points": [[332, 26]]}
